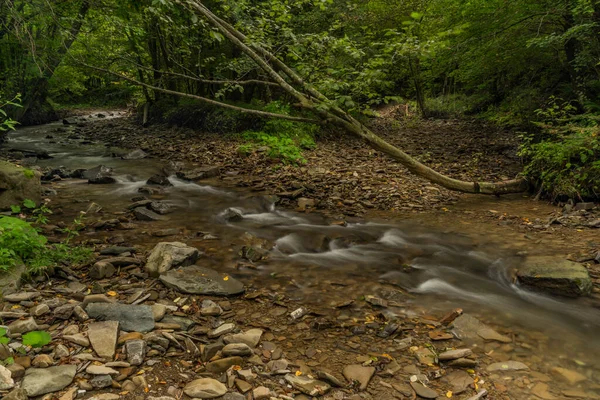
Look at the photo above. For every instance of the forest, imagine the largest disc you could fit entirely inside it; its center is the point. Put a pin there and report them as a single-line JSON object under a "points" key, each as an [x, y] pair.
{"points": [[530, 66], [299, 199]]}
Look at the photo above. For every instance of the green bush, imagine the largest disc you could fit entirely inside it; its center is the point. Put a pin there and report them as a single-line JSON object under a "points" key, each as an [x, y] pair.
{"points": [[19, 241], [285, 139], [566, 160]]}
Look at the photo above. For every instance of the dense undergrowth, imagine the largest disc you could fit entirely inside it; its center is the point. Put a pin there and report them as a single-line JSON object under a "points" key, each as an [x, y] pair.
{"points": [[22, 242]]}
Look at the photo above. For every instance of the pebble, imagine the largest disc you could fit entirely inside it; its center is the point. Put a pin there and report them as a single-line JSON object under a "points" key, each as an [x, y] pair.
{"points": [[236, 349], [221, 330], [507, 366], [261, 393], [454, 354], [136, 351], [306, 385], [6, 380], [78, 339], [251, 337], [423, 391], [40, 310], [223, 364], [101, 381], [23, 326], [100, 370]]}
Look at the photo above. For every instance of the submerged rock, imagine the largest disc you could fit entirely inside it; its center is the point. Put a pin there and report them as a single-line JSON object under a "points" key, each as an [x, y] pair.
{"points": [[137, 154], [200, 280], [555, 276], [99, 175]]}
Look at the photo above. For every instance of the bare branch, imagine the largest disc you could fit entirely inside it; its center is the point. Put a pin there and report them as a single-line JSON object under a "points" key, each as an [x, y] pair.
{"points": [[204, 99]]}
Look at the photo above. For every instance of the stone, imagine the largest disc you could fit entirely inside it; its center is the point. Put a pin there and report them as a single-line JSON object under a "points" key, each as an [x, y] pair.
{"points": [[161, 207], [360, 374], [210, 350], [158, 311], [103, 338], [221, 330], [42, 361], [138, 318], [136, 154], [80, 314], [467, 327], [136, 351], [210, 309], [423, 391], [20, 296], [199, 173], [99, 175], [159, 180], [168, 255], [101, 270], [143, 214], [568, 375], [64, 312], [201, 280], [61, 351], [555, 276], [236, 349], [540, 389], [205, 388], [425, 356], [251, 337], [6, 380], [243, 386], [39, 310], [17, 371], [101, 381], [261, 393], [23, 326], [17, 394], [223, 364], [306, 385], [39, 381], [18, 184], [129, 336], [101, 370], [233, 396], [454, 354], [78, 339], [507, 366]]}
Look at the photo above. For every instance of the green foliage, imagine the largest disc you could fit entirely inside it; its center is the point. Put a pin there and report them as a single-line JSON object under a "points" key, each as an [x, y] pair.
{"points": [[7, 123], [36, 339], [566, 161], [3, 338], [284, 139]]}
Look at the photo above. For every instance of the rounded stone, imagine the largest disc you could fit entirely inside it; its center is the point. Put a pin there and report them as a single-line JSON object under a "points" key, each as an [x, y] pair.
{"points": [[205, 388]]}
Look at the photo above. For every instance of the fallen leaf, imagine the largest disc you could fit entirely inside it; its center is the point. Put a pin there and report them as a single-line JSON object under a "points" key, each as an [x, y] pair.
{"points": [[112, 293]]}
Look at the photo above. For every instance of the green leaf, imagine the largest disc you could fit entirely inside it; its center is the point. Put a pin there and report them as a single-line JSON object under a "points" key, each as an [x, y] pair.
{"points": [[15, 209], [28, 203], [36, 338], [416, 15], [4, 340]]}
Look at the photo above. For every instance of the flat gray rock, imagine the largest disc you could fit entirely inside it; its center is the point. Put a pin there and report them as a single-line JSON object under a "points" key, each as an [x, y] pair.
{"points": [[555, 276], [205, 388], [306, 385], [103, 337], [132, 318], [167, 255], [199, 280], [39, 381]]}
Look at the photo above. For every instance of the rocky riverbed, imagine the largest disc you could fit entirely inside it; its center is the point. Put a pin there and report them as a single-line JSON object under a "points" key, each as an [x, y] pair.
{"points": [[212, 292]]}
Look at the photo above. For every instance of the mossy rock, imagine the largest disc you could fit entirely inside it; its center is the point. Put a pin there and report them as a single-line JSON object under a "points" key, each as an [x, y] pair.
{"points": [[555, 276], [18, 184]]}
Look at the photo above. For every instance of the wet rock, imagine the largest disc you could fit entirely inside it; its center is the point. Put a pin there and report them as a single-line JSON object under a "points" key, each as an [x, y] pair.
{"points": [[223, 364], [6, 380], [39, 381], [16, 185], [101, 270], [569, 376], [136, 154], [143, 214], [468, 327], [507, 366], [160, 207], [200, 280], [136, 351], [237, 349], [23, 326], [199, 173], [103, 338], [168, 255], [306, 385], [251, 337], [132, 318], [454, 354], [99, 175], [425, 356], [423, 391], [159, 180], [232, 215], [360, 374], [166, 232], [555, 276], [205, 388]]}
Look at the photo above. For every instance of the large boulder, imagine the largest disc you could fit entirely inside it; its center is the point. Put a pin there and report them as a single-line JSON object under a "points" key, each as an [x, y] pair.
{"points": [[18, 184], [99, 175], [555, 276], [167, 255]]}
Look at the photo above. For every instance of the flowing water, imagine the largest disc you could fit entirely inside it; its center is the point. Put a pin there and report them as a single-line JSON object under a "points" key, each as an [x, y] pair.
{"points": [[320, 263]]}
